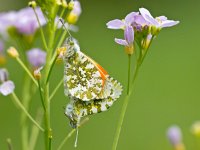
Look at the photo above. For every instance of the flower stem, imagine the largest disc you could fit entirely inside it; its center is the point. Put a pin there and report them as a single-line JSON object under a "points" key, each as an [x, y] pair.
{"points": [[27, 70], [9, 143], [41, 31], [71, 133], [41, 96], [123, 111], [51, 68], [25, 101], [129, 73], [35, 131], [56, 89], [14, 96]]}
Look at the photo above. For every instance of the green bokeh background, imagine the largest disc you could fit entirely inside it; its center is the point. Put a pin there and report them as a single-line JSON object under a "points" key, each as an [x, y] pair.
{"points": [[166, 90]]}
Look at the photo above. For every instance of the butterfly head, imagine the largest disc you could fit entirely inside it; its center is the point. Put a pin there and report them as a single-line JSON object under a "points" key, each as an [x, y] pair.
{"points": [[71, 45]]}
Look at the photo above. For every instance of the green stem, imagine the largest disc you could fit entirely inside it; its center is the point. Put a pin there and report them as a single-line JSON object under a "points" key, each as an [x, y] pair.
{"points": [[27, 70], [56, 89], [35, 131], [9, 142], [70, 134], [14, 96], [123, 111], [51, 68], [25, 101], [41, 31], [129, 73], [41, 97]]}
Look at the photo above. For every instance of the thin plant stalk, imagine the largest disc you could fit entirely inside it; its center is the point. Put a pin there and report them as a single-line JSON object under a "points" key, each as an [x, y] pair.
{"points": [[56, 89], [25, 101], [35, 131], [27, 70], [71, 133], [19, 104], [129, 73], [41, 30]]}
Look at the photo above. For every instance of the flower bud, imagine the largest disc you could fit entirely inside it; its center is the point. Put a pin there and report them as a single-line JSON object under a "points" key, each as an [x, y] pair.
{"points": [[71, 5], [37, 73], [3, 75], [12, 52], [175, 137], [129, 49], [75, 12], [155, 30], [196, 129], [32, 4]]}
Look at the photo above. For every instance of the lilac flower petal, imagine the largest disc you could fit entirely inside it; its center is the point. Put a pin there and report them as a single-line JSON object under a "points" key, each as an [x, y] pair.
{"points": [[115, 24], [162, 18], [129, 19], [174, 135], [129, 34], [148, 17], [169, 23], [121, 42], [3, 75], [77, 8], [7, 88], [139, 20], [36, 57]]}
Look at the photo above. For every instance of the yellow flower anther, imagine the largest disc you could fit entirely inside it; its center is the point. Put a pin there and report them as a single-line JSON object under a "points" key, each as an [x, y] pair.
{"points": [[32, 4], [12, 52], [129, 49]]}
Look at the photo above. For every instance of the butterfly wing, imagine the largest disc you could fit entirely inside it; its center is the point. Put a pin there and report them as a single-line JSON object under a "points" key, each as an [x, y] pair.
{"points": [[84, 78]]}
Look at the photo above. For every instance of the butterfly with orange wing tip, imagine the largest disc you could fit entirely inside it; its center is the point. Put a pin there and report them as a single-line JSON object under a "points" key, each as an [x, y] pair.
{"points": [[90, 89]]}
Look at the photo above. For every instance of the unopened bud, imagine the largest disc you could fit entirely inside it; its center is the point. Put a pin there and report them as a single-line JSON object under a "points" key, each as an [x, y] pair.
{"points": [[32, 4], [196, 129], [71, 5], [155, 30], [37, 74], [12, 52], [129, 49], [3, 75]]}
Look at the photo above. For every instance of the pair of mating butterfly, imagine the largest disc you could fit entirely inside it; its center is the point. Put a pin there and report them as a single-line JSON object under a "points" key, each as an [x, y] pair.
{"points": [[90, 89]]}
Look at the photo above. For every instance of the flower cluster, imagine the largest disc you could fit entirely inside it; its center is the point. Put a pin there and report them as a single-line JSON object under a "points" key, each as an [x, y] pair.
{"points": [[23, 20], [140, 27]]}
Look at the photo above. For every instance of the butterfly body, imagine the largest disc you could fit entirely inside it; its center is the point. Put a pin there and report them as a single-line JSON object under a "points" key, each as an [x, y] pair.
{"points": [[90, 89]]}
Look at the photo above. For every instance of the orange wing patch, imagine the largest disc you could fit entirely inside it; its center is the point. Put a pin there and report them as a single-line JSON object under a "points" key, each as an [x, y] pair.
{"points": [[102, 71]]}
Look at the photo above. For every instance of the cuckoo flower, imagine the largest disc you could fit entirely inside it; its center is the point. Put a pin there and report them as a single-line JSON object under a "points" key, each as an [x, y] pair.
{"points": [[23, 20], [36, 57], [128, 40], [174, 135], [6, 86], [158, 22], [121, 24], [126, 25]]}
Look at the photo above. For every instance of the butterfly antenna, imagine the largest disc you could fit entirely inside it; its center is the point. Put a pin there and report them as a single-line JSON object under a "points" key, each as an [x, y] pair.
{"points": [[76, 141], [62, 21]]}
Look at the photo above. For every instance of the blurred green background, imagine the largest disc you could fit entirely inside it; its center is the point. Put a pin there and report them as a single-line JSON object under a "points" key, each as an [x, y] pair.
{"points": [[166, 90]]}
